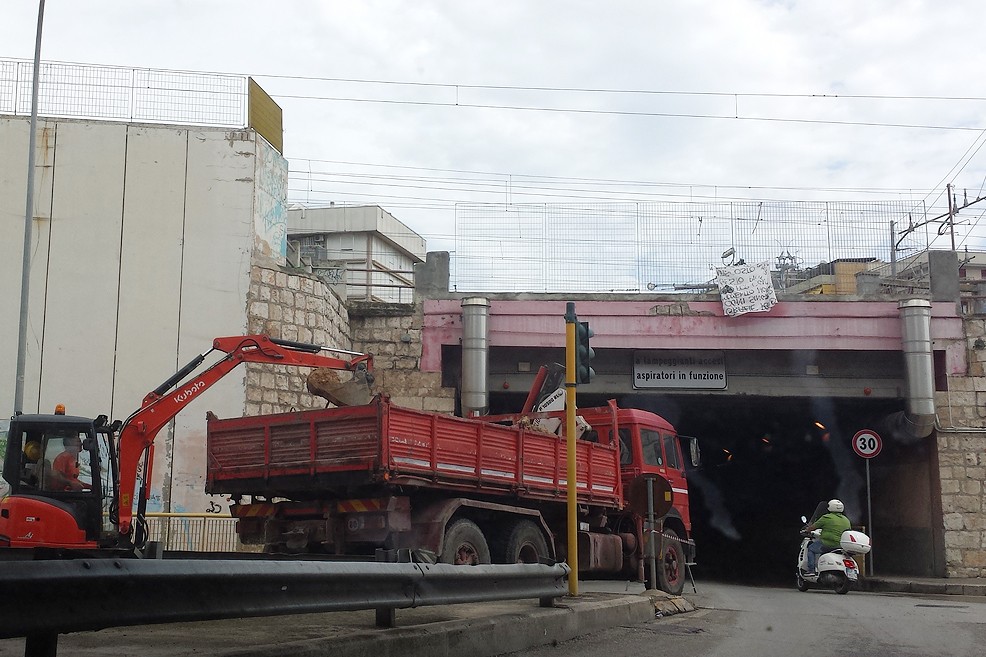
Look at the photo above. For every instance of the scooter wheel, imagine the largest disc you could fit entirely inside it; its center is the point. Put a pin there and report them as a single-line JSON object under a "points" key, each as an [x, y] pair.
{"points": [[843, 586], [802, 584]]}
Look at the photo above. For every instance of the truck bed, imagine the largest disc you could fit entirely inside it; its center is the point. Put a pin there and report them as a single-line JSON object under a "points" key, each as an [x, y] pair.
{"points": [[320, 453]]}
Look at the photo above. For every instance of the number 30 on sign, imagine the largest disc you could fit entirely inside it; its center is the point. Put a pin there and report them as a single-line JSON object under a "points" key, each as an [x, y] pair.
{"points": [[866, 443]]}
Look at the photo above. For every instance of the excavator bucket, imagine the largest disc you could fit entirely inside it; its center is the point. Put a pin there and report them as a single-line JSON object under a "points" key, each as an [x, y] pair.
{"points": [[326, 383]]}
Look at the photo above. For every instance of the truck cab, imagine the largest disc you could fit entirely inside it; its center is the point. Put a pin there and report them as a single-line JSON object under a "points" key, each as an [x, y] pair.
{"points": [[649, 445]]}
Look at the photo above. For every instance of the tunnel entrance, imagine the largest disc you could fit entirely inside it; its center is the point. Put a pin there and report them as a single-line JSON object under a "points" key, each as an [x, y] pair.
{"points": [[766, 461]]}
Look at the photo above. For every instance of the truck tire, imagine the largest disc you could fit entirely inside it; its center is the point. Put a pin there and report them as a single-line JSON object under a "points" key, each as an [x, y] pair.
{"points": [[464, 545], [526, 544], [671, 564]]}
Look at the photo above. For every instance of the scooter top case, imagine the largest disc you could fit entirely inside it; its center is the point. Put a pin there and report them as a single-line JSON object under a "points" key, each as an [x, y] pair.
{"points": [[855, 542]]}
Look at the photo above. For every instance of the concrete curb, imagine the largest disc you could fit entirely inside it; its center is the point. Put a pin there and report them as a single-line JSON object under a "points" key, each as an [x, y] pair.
{"points": [[488, 636], [942, 587]]}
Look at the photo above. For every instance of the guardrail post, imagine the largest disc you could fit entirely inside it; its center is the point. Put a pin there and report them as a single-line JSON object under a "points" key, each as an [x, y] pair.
{"points": [[41, 645], [386, 616]]}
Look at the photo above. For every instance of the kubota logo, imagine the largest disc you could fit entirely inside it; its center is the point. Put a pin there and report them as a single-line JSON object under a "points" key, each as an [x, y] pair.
{"points": [[189, 392]]}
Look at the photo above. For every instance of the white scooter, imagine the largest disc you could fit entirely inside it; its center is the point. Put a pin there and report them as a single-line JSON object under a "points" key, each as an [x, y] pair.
{"points": [[837, 569]]}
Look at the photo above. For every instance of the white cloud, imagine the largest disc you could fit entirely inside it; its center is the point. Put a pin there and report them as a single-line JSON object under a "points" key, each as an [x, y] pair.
{"points": [[789, 50]]}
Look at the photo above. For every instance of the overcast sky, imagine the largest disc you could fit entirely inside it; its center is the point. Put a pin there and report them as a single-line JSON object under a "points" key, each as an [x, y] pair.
{"points": [[835, 99]]}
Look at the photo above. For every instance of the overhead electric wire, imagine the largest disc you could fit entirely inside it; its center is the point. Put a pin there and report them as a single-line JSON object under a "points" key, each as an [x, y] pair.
{"points": [[511, 189], [642, 183], [601, 90], [673, 115]]}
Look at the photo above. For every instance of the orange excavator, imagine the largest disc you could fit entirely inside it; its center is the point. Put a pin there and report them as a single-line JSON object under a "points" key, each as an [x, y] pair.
{"points": [[79, 486]]}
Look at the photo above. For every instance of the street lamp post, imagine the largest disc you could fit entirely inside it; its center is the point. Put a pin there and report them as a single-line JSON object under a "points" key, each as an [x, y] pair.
{"points": [[28, 223]]}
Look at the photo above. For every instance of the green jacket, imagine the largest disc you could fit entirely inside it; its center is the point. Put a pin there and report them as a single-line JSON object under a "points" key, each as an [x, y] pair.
{"points": [[832, 526]]}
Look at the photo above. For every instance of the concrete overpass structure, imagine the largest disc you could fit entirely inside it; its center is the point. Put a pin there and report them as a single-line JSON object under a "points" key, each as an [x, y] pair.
{"points": [[797, 382]]}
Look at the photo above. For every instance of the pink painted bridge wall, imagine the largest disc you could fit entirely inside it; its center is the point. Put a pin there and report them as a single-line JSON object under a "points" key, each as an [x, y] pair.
{"points": [[789, 325]]}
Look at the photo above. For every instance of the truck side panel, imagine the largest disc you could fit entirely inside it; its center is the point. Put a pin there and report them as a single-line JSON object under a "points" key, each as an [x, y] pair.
{"points": [[272, 454], [307, 453]]}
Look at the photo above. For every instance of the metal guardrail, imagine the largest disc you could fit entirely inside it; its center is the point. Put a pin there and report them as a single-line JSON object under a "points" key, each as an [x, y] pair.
{"points": [[42, 599]]}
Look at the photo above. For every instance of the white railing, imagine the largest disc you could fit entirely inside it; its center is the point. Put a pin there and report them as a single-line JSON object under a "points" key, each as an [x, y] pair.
{"points": [[193, 532]]}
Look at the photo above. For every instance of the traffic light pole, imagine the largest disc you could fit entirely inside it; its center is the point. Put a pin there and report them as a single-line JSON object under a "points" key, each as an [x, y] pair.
{"points": [[571, 322]]}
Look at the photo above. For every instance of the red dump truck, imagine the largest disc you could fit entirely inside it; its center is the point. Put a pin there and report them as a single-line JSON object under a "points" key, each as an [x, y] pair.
{"points": [[347, 481]]}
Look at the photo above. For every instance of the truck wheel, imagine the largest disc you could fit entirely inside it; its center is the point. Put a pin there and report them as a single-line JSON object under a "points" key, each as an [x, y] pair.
{"points": [[526, 544], [465, 545], [671, 564]]}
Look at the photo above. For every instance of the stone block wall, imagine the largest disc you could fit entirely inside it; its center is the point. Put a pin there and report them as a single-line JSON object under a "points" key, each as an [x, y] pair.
{"points": [[962, 466], [298, 306], [295, 306], [962, 459], [392, 333]]}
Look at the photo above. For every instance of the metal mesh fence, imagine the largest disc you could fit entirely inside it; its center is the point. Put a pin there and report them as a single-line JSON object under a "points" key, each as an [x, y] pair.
{"points": [[125, 94], [667, 246]]}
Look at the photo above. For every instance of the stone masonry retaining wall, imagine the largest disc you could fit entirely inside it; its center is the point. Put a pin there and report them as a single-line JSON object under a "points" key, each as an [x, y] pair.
{"points": [[392, 333], [962, 460], [298, 306], [292, 306]]}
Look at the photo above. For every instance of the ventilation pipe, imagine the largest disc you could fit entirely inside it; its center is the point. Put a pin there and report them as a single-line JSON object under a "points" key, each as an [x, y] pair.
{"points": [[918, 420], [475, 355]]}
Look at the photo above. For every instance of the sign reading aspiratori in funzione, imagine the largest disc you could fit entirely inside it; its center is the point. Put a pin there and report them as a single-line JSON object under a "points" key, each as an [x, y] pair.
{"points": [[679, 369]]}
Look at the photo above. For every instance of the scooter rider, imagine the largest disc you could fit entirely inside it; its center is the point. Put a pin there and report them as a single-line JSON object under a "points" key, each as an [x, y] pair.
{"points": [[832, 525]]}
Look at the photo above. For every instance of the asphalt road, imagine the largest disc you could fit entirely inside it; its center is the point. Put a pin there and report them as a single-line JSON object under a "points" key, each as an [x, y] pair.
{"points": [[736, 621]]}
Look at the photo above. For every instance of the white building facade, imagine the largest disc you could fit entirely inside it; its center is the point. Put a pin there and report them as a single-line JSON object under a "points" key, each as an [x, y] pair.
{"points": [[146, 243]]}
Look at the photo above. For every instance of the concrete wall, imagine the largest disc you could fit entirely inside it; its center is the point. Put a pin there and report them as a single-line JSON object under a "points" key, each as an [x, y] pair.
{"points": [[143, 243]]}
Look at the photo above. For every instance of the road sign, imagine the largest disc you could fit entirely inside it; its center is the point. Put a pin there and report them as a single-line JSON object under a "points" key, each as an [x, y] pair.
{"points": [[866, 443], [637, 495]]}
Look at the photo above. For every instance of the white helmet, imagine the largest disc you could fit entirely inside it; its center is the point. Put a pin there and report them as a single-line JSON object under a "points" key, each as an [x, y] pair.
{"points": [[836, 506]]}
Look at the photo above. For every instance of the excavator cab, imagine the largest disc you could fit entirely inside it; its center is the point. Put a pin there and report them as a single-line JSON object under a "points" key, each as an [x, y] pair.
{"points": [[62, 476]]}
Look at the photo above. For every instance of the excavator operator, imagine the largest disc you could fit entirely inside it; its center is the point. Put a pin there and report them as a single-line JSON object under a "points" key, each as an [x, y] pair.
{"points": [[65, 467]]}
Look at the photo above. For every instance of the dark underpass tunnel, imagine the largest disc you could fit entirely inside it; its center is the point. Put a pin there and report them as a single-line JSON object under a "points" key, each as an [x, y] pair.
{"points": [[765, 463]]}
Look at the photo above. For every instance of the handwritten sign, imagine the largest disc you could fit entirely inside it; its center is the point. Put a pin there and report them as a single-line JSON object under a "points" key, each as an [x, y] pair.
{"points": [[746, 288]]}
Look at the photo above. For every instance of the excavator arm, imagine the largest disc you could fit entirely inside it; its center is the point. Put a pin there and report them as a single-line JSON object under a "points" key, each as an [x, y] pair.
{"points": [[160, 406]]}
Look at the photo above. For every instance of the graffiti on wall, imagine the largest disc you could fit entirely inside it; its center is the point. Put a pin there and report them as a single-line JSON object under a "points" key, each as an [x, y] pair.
{"points": [[271, 195]]}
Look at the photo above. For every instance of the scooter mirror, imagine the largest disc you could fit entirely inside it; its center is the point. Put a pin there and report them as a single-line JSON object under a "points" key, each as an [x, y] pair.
{"points": [[803, 519]]}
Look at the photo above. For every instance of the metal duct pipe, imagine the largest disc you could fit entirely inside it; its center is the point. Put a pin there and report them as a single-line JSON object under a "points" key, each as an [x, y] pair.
{"points": [[475, 355], [919, 419]]}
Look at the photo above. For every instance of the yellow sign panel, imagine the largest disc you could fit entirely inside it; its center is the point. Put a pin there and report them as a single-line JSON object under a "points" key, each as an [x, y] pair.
{"points": [[265, 116]]}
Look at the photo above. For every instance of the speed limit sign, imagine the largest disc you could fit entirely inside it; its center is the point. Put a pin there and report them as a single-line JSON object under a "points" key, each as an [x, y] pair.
{"points": [[866, 443]]}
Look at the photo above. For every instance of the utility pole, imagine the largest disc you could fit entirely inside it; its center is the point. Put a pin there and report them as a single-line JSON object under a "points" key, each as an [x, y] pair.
{"points": [[893, 248], [28, 224], [951, 213]]}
